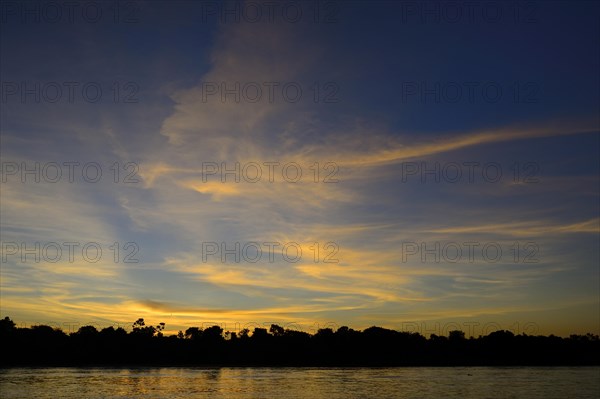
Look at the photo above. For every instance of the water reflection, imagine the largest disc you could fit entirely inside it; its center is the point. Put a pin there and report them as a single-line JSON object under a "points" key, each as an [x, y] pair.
{"points": [[331, 383]]}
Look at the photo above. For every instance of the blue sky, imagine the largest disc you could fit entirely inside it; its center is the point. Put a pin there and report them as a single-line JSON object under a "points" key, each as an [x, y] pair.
{"points": [[390, 90]]}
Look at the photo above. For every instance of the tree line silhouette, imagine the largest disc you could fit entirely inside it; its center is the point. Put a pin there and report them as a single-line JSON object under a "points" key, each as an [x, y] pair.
{"points": [[146, 345]]}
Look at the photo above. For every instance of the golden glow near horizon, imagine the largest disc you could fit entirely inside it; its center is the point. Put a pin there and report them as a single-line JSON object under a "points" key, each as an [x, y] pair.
{"points": [[364, 211]]}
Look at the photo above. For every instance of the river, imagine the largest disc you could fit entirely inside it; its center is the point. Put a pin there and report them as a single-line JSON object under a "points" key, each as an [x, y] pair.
{"points": [[330, 383]]}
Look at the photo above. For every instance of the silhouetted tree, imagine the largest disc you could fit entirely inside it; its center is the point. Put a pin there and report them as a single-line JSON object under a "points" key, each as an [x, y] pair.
{"points": [[159, 329], [214, 333], [87, 331], [7, 326], [244, 333], [193, 333], [276, 330], [260, 334], [375, 346], [456, 335], [140, 328]]}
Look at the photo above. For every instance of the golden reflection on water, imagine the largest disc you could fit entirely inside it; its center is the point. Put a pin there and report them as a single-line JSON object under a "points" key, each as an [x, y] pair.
{"points": [[331, 383]]}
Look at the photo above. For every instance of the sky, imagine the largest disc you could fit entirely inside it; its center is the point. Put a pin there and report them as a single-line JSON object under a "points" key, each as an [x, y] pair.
{"points": [[422, 166]]}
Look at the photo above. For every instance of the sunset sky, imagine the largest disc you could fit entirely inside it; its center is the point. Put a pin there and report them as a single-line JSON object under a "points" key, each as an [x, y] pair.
{"points": [[435, 128]]}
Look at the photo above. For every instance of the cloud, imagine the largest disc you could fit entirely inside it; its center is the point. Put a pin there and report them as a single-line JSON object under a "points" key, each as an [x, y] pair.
{"points": [[367, 213], [528, 228]]}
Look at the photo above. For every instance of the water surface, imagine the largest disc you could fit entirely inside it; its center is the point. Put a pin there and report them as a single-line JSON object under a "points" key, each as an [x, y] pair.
{"points": [[331, 383]]}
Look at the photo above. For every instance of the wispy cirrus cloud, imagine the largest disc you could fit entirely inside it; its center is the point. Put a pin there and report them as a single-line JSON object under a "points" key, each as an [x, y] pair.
{"points": [[368, 213]]}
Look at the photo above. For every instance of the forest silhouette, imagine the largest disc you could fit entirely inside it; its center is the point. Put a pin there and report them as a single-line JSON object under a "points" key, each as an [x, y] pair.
{"points": [[146, 345]]}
